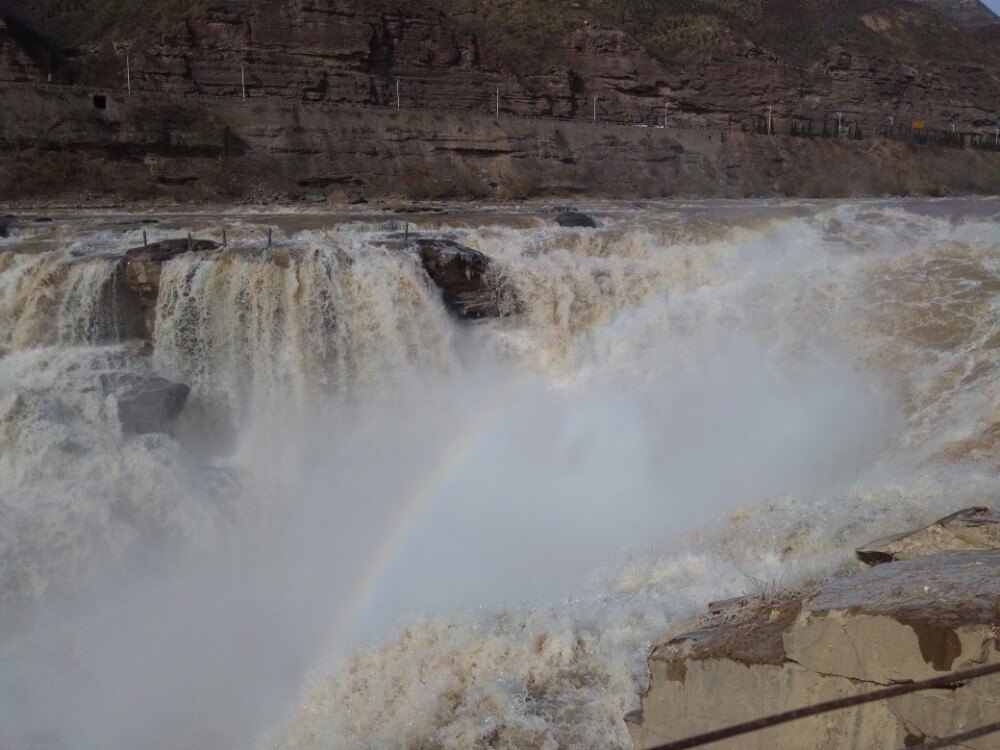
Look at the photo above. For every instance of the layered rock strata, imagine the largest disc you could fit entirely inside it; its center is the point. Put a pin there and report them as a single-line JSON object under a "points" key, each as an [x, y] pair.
{"points": [[146, 146], [894, 59], [970, 529]]}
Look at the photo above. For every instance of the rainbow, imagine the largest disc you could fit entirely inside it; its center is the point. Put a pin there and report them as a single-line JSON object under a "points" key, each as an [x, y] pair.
{"points": [[431, 483], [426, 490]]}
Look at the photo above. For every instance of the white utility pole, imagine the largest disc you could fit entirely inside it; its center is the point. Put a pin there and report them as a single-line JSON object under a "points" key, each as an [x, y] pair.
{"points": [[953, 127], [128, 74], [243, 80], [996, 135], [840, 123], [398, 103], [769, 108]]}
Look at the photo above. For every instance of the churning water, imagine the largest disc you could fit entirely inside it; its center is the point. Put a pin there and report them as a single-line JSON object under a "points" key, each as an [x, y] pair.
{"points": [[375, 526]]}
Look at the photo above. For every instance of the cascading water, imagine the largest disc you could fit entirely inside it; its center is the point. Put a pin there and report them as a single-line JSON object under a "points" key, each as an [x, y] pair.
{"points": [[54, 298], [322, 322], [465, 534]]}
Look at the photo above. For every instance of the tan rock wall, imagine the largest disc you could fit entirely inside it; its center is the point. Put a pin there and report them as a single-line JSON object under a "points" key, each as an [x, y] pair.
{"points": [[900, 622]]}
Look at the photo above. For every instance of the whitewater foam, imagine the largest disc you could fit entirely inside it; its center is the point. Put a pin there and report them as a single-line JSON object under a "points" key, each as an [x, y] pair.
{"points": [[687, 401]]}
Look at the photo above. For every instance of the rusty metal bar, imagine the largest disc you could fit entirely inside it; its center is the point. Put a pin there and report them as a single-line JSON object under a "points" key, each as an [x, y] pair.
{"points": [[972, 734], [944, 681]]}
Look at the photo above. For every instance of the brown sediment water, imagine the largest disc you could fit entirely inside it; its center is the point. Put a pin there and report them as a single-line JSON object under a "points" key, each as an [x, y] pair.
{"points": [[376, 525]]}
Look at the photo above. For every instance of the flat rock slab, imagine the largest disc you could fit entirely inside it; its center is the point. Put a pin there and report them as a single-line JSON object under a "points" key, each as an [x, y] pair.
{"points": [[164, 250], [894, 623], [970, 529]]}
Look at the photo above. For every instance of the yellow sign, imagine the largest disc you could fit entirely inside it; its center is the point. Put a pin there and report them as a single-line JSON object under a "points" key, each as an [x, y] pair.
{"points": [[918, 125]]}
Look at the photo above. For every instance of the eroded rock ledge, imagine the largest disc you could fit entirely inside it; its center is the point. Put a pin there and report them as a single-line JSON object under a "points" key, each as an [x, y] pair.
{"points": [[902, 621], [470, 286]]}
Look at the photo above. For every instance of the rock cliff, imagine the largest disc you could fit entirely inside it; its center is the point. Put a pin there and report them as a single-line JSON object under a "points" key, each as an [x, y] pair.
{"points": [[57, 144], [674, 61], [16, 64], [394, 98]]}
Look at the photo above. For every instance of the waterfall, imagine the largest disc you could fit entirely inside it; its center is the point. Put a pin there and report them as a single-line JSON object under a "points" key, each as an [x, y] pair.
{"points": [[53, 298], [427, 531]]}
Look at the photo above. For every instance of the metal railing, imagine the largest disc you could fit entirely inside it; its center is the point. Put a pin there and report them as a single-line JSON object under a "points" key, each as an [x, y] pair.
{"points": [[749, 122], [385, 108], [952, 680]]}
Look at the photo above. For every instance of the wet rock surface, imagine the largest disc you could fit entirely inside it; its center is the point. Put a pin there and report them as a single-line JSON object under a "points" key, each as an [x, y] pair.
{"points": [[575, 219], [140, 275], [898, 622], [146, 403], [467, 282], [969, 529]]}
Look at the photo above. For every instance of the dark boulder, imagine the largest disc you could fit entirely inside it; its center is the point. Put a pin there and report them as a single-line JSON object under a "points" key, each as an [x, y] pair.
{"points": [[467, 282], [575, 219], [146, 403]]}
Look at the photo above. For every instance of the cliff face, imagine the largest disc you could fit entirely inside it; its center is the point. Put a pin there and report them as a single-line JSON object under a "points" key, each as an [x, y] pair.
{"points": [[15, 63], [868, 59], [56, 143], [310, 69]]}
